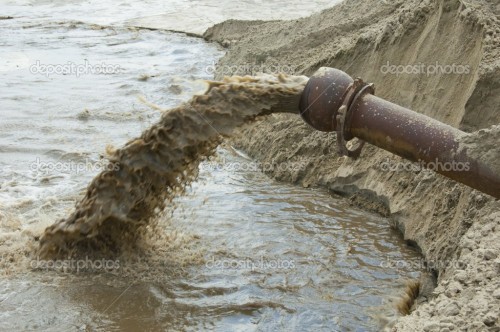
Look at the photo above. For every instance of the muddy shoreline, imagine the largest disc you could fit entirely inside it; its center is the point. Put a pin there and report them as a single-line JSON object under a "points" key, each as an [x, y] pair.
{"points": [[456, 228]]}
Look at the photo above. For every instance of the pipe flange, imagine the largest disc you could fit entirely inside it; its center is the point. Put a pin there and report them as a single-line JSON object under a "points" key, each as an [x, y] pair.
{"points": [[343, 118], [322, 97]]}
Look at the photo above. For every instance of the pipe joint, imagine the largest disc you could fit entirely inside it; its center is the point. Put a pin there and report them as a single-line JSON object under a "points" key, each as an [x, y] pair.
{"points": [[343, 118], [333, 101]]}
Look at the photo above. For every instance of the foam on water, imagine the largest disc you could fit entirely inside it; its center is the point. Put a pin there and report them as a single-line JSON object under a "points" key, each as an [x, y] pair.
{"points": [[54, 129]]}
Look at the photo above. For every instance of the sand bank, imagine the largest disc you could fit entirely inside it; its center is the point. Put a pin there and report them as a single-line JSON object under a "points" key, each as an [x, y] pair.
{"points": [[437, 57]]}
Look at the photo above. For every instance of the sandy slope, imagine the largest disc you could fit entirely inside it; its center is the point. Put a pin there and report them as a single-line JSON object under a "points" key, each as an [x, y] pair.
{"points": [[456, 227]]}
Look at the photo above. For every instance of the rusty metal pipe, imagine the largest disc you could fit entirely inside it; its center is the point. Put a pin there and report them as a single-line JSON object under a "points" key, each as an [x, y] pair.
{"points": [[333, 101]]}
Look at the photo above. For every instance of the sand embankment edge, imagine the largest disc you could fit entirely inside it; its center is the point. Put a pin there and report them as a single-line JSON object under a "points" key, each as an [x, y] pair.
{"points": [[457, 228]]}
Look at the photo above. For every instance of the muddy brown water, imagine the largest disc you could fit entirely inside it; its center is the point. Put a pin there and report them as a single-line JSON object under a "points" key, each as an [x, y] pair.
{"points": [[244, 253], [152, 169], [235, 251]]}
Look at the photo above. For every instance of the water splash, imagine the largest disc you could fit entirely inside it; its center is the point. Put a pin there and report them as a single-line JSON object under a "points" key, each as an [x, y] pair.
{"points": [[150, 170]]}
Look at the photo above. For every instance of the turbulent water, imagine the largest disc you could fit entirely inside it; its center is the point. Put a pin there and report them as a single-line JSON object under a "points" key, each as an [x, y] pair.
{"points": [[165, 158], [236, 251], [239, 252]]}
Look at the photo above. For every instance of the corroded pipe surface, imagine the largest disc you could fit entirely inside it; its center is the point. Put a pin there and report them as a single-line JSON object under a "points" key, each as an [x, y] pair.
{"points": [[333, 101]]}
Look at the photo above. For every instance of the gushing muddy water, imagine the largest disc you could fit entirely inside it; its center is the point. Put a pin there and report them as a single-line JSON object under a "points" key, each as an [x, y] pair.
{"points": [[236, 251], [239, 252], [153, 168]]}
